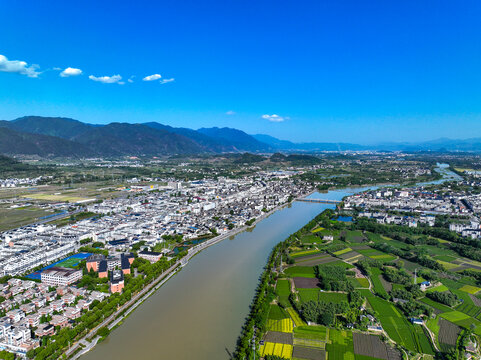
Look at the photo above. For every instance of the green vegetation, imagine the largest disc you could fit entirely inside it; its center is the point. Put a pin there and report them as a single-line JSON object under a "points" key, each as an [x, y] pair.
{"points": [[341, 346]]}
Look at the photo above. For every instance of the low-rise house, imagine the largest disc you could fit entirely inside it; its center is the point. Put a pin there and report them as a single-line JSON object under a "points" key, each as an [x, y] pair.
{"points": [[151, 256], [33, 320], [59, 320], [44, 329], [28, 308], [72, 312], [15, 315]]}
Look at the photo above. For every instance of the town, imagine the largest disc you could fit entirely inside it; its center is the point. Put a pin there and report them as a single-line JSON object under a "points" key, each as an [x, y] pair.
{"points": [[55, 273]]}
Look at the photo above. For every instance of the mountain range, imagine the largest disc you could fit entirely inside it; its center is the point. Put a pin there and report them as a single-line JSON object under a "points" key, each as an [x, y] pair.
{"points": [[65, 137]]}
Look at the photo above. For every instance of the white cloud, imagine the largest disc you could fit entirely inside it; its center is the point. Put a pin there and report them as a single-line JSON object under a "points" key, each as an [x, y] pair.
{"points": [[108, 79], [131, 79], [70, 72], [274, 118], [230, 112], [19, 67], [165, 81], [152, 77]]}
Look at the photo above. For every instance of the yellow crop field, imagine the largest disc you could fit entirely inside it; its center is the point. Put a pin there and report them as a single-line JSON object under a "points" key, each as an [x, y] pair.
{"points": [[469, 289], [284, 325], [447, 265], [343, 251], [317, 230], [295, 317], [53, 197], [282, 350]]}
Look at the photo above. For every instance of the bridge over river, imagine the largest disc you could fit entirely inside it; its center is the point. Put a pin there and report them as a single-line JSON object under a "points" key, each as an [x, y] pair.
{"points": [[320, 201]]}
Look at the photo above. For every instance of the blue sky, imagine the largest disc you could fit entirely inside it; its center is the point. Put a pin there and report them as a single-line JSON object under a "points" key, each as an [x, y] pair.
{"points": [[351, 71]]}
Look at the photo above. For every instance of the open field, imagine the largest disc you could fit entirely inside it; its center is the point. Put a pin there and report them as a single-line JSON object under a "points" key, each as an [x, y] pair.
{"points": [[398, 327], [55, 197], [448, 334], [304, 253], [282, 350], [343, 251], [306, 353], [13, 218], [318, 332], [277, 313], [283, 289], [376, 281], [369, 345], [315, 295], [470, 289], [296, 318], [341, 346], [363, 282], [306, 283], [300, 271], [278, 337], [284, 325]]}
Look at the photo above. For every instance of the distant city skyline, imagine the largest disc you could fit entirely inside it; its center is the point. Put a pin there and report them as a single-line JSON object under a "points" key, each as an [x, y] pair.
{"points": [[314, 71]]}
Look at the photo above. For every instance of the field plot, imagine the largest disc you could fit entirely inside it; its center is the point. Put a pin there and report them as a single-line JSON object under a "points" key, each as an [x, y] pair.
{"points": [[463, 320], [341, 345], [283, 290], [311, 239], [317, 332], [317, 295], [363, 282], [284, 325], [278, 337], [317, 230], [396, 325], [12, 218], [469, 309], [300, 271], [296, 318], [437, 306], [448, 334], [301, 352], [355, 236], [277, 313], [313, 260], [282, 350], [439, 288], [306, 283], [470, 289], [305, 253], [369, 345], [343, 251], [55, 197], [376, 282]]}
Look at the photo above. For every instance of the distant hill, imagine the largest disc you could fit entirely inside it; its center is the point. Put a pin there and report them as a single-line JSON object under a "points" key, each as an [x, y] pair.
{"points": [[20, 143], [64, 128], [207, 142], [65, 137], [236, 138], [135, 139], [291, 146], [69, 137]]}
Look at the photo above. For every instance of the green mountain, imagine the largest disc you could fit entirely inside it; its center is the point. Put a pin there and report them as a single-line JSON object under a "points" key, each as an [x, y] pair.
{"points": [[14, 142], [135, 139], [236, 138]]}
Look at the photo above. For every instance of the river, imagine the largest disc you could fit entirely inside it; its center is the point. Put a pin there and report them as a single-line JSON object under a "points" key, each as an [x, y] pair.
{"points": [[198, 314]]}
